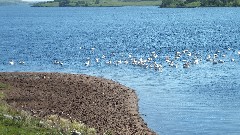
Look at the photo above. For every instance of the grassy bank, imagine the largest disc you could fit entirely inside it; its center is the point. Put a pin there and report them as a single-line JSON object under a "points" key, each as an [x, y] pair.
{"points": [[97, 3], [199, 3], [13, 121]]}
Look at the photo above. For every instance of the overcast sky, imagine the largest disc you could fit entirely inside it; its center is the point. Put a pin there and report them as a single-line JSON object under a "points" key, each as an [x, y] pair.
{"points": [[37, 0]]}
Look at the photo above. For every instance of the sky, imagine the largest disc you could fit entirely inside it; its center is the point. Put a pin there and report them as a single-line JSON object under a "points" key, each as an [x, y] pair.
{"points": [[36, 0]]}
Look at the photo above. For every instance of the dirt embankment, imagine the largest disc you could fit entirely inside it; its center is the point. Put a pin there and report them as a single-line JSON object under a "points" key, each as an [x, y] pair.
{"points": [[99, 103]]}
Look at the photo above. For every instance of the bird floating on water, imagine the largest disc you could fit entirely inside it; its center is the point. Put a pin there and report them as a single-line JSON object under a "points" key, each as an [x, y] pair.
{"points": [[186, 65], [11, 62], [21, 62]]}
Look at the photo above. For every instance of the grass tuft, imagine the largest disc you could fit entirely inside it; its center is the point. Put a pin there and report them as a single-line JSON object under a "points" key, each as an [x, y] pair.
{"points": [[17, 122]]}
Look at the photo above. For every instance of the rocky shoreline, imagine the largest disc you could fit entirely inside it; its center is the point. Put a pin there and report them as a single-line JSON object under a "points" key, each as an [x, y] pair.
{"points": [[99, 103]]}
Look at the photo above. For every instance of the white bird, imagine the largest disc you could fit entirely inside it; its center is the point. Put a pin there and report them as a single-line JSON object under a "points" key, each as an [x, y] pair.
{"points": [[167, 59], [189, 54], [134, 62], [157, 66], [92, 49], [172, 64], [215, 62], [21, 62], [195, 61], [109, 62], [11, 62], [185, 51], [87, 63], [208, 58], [118, 62], [56, 62], [177, 55], [97, 60], [239, 52], [184, 61], [186, 65], [154, 56], [125, 62], [149, 59], [220, 61], [103, 56]]}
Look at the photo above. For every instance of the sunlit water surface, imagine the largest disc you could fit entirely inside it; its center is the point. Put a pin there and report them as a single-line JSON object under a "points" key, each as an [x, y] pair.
{"points": [[201, 99]]}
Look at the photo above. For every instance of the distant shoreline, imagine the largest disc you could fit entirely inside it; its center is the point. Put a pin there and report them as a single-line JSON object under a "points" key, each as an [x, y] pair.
{"points": [[85, 3], [159, 3]]}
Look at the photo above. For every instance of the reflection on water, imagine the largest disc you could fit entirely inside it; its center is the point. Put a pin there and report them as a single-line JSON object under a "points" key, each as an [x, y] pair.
{"points": [[144, 48]]}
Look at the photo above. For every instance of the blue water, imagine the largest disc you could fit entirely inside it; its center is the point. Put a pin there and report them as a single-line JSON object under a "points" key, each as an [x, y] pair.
{"points": [[201, 99]]}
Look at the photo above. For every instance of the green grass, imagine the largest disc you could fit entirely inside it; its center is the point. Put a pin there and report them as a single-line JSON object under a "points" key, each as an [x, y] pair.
{"points": [[193, 4], [15, 122], [120, 3], [47, 4]]}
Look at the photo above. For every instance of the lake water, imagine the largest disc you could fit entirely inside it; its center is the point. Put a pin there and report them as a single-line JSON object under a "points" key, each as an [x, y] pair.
{"points": [[115, 43]]}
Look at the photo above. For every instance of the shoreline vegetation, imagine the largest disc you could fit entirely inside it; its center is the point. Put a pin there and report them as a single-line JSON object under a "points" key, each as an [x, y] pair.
{"points": [[199, 3], [120, 3], [14, 121], [97, 3], [54, 103]]}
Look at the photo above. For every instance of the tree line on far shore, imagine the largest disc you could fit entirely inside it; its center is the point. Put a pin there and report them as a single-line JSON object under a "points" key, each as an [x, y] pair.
{"points": [[86, 3], [199, 3], [161, 3]]}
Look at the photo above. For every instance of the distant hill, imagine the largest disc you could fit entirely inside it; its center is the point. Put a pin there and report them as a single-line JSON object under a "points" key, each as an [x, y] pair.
{"points": [[199, 3], [9, 2], [97, 3]]}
